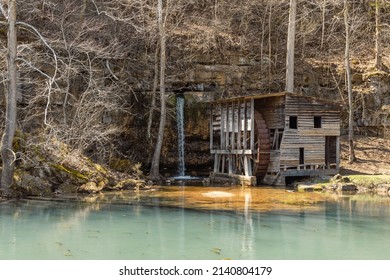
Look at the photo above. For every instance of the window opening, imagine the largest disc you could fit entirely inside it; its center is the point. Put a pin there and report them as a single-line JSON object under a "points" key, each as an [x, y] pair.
{"points": [[317, 122], [293, 122]]}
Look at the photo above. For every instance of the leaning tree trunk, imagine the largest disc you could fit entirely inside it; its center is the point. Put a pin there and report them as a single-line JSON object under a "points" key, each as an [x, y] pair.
{"points": [[349, 84], [291, 47], [7, 154], [155, 168]]}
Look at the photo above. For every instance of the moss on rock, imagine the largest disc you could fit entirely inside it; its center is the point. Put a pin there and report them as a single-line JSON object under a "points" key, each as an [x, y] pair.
{"points": [[72, 172], [54, 168]]}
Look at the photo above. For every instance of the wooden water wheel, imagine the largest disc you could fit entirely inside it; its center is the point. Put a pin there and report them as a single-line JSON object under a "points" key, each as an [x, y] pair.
{"points": [[263, 146]]}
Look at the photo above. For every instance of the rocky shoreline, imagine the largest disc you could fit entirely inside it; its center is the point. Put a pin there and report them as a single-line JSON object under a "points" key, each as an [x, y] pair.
{"points": [[378, 184], [52, 169]]}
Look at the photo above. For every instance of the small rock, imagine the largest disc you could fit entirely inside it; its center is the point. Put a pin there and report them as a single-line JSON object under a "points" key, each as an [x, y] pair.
{"points": [[149, 183], [346, 187], [345, 180], [383, 189], [89, 187], [337, 177], [309, 187]]}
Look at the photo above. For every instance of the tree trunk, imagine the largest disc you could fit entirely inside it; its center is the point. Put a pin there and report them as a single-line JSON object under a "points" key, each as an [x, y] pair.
{"points": [[349, 84], [323, 24], [154, 89], [378, 46], [270, 47], [155, 168], [7, 154], [291, 47]]}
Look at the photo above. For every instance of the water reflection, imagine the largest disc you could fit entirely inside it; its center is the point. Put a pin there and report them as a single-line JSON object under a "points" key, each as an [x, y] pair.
{"points": [[248, 232], [183, 223]]}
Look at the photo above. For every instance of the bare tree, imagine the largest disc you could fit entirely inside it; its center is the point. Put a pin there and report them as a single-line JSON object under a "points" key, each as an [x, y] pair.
{"points": [[154, 90], [291, 47], [7, 153], [155, 168], [349, 83], [378, 37]]}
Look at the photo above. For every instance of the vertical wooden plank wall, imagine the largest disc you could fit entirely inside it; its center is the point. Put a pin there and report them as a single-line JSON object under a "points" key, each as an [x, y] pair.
{"points": [[233, 123]]}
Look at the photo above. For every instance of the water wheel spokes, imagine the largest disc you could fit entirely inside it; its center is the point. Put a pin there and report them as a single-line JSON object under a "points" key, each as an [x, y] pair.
{"points": [[261, 159]]}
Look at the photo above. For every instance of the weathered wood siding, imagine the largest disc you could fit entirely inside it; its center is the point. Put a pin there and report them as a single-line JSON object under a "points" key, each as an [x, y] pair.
{"points": [[253, 133], [274, 165], [232, 136], [306, 136], [272, 110]]}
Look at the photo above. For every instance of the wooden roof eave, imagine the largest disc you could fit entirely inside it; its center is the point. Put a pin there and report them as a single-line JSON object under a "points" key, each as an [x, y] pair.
{"points": [[270, 95], [247, 98]]}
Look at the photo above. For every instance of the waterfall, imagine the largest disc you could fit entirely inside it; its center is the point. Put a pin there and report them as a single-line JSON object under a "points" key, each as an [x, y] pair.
{"points": [[180, 134]]}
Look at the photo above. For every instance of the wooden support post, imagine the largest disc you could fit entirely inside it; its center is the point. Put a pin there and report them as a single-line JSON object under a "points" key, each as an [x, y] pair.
{"points": [[211, 129], [232, 139], [245, 127], [227, 127], [247, 160], [247, 166], [222, 147], [217, 161], [338, 152], [244, 144], [239, 123], [252, 104], [223, 159], [227, 135]]}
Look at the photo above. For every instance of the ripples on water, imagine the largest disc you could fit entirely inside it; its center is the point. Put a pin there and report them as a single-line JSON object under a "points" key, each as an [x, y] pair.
{"points": [[197, 223]]}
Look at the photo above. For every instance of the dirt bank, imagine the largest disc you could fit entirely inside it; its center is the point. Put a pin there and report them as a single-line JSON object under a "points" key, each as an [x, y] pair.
{"points": [[372, 156]]}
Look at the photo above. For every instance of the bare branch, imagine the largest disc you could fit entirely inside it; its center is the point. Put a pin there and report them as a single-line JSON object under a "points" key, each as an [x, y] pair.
{"points": [[52, 79], [109, 69], [3, 10]]}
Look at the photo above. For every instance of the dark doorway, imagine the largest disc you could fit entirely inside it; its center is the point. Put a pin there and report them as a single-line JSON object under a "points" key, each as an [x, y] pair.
{"points": [[301, 156], [330, 151]]}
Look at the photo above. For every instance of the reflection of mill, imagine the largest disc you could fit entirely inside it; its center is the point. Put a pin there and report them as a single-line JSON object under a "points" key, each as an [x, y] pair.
{"points": [[248, 235]]}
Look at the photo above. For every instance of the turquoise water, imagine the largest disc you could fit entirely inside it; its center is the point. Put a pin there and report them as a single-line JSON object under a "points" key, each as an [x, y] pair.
{"points": [[345, 229]]}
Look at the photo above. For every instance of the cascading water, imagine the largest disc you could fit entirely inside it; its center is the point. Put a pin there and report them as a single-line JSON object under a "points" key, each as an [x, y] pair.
{"points": [[180, 134]]}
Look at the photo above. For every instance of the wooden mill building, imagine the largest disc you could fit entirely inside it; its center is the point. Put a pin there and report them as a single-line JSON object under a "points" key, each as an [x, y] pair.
{"points": [[271, 138]]}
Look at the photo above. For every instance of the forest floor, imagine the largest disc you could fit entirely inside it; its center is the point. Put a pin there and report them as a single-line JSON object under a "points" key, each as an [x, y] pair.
{"points": [[372, 156]]}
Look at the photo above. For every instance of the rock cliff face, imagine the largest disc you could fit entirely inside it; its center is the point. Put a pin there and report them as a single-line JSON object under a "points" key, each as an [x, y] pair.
{"points": [[313, 78]]}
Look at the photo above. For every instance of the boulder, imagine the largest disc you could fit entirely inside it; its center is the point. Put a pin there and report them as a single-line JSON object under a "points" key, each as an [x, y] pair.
{"points": [[28, 184], [90, 187], [309, 187], [346, 187], [340, 178], [383, 189]]}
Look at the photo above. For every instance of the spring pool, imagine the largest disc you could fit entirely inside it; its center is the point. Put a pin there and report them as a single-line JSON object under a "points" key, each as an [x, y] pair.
{"points": [[197, 223]]}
